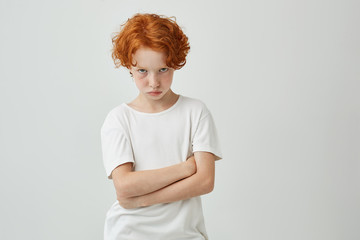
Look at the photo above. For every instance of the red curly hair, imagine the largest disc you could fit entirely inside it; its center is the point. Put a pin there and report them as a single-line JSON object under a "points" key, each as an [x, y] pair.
{"points": [[154, 31]]}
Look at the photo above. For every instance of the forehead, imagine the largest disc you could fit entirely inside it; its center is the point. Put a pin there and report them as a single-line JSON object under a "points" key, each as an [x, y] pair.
{"points": [[149, 58]]}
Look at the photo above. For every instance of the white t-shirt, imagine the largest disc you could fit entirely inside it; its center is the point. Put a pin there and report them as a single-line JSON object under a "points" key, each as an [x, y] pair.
{"points": [[151, 141]]}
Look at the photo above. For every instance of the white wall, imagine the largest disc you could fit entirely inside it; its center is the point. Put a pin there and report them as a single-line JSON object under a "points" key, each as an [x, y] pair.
{"points": [[280, 77]]}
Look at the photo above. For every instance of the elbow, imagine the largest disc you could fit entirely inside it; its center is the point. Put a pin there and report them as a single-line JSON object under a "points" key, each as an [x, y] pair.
{"points": [[122, 190], [208, 185], [121, 201], [126, 203], [123, 197]]}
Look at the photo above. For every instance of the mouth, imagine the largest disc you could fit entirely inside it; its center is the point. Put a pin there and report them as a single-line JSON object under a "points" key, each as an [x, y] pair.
{"points": [[154, 93]]}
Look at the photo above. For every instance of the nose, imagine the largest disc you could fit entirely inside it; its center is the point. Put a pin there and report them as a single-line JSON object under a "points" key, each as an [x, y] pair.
{"points": [[154, 81]]}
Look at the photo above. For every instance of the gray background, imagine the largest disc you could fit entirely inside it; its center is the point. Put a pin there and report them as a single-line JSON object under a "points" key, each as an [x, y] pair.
{"points": [[281, 79]]}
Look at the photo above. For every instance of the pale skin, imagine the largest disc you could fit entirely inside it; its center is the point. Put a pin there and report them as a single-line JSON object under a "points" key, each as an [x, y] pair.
{"points": [[185, 180]]}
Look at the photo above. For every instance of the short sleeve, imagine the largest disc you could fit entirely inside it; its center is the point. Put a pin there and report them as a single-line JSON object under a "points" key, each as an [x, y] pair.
{"points": [[206, 138], [116, 148]]}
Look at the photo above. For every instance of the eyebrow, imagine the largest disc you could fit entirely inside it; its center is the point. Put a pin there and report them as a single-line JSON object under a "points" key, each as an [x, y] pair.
{"points": [[145, 67]]}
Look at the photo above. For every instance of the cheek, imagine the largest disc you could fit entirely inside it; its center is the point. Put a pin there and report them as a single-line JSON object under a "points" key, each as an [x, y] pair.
{"points": [[167, 79], [140, 83]]}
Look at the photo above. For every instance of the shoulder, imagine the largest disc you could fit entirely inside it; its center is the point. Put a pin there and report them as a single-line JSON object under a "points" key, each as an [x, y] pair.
{"points": [[116, 117], [196, 106], [193, 103]]}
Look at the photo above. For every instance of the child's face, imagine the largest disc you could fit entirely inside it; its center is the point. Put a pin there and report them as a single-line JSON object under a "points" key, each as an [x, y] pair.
{"points": [[151, 75]]}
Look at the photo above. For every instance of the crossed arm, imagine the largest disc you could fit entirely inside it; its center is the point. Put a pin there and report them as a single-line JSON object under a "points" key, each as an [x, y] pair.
{"points": [[191, 178]]}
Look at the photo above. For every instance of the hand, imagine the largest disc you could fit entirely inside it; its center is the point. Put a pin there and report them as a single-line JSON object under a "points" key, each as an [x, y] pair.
{"points": [[129, 203], [191, 165]]}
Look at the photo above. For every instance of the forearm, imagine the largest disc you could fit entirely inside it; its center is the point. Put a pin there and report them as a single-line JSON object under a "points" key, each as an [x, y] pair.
{"points": [[199, 183], [139, 183], [192, 186]]}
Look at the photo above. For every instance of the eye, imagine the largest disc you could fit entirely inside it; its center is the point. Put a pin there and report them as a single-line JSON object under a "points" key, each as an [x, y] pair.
{"points": [[164, 69], [142, 71]]}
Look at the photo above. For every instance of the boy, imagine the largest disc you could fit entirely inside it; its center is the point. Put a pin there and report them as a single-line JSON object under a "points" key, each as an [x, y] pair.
{"points": [[159, 149]]}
